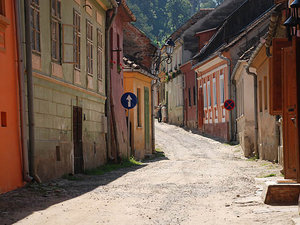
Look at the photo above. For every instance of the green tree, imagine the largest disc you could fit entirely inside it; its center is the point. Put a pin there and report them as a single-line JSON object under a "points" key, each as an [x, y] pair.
{"points": [[158, 19], [178, 11]]}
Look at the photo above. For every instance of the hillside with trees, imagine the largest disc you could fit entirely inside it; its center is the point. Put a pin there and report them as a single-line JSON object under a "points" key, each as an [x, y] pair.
{"points": [[160, 18]]}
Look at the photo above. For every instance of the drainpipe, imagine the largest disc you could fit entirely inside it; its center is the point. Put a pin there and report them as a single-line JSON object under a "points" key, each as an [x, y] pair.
{"points": [[22, 94], [229, 93], [255, 109], [32, 152], [196, 95], [109, 21], [155, 83]]}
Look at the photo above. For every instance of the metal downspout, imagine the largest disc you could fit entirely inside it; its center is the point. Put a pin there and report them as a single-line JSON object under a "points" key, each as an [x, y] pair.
{"points": [[196, 95], [229, 92], [109, 21], [255, 109], [32, 167], [22, 94]]}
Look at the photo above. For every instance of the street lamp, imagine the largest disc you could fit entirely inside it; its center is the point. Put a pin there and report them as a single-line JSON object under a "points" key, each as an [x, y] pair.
{"points": [[293, 21], [157, 58]]}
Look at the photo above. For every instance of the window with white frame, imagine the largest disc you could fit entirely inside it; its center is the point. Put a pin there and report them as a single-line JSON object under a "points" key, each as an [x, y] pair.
{"points": [[56, 30], [99, 53], [204, 95], [89, 46], [35, 26], [208, 94], [77, 38], [215, 91], [222, 88]]}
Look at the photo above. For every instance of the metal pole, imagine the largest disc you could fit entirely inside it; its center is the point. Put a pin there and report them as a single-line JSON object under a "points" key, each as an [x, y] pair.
{"points": [[128, 134]]}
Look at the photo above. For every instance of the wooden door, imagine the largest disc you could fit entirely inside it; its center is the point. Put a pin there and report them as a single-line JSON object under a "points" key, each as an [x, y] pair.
{"points": [[289, 111], [200, 108], [185, 111], [77, 139], [147, 118]]}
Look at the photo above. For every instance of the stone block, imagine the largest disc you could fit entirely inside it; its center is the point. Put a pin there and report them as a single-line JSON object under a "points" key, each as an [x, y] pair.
{"points": [[43, 120], [62, 98], [281, 193], [63, 110], [44, 107], [43, 93]]}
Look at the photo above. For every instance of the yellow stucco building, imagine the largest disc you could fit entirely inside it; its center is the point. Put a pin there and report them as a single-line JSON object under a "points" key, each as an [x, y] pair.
{"points": [[138, 81]]}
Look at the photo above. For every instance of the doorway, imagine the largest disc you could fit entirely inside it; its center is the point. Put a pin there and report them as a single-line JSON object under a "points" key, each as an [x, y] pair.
{"points": [[77, 139], [289, 110]]}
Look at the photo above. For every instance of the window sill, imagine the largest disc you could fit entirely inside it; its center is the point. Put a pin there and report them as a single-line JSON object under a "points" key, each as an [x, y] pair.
{"points": [[56, 62], [77, 69], [36, 53]]}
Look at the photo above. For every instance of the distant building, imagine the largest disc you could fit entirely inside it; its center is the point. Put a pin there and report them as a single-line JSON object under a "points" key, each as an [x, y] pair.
{"points": [[138, 81], [138, 50], [216, 60], [213, 75], [245, 108]]}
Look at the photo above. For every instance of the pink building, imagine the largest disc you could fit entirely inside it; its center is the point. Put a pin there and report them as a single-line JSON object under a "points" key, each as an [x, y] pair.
{"points": [[191, 114], [118, 113], [212, 76], [190, 96]]}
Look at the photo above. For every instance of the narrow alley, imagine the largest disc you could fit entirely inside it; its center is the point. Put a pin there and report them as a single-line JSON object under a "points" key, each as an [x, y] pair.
{"points": [[199, 181]]}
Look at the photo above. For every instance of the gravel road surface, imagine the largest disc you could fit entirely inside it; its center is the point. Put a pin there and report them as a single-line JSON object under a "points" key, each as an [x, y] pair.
{"points": [[199, 181]]}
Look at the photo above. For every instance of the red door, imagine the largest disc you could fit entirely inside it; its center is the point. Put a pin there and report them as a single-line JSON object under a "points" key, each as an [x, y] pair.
{"points": [[290, 127], [77, 139]]}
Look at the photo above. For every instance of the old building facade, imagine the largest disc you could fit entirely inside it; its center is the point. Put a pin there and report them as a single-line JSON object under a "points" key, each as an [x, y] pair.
{"points": [[212, 77], [118, 115], [245, 108], [67, 41], [138, 81]]}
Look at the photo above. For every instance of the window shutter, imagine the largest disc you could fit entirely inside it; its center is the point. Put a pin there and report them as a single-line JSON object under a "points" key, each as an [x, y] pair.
{"points": [[275, 81], [68, 44]]}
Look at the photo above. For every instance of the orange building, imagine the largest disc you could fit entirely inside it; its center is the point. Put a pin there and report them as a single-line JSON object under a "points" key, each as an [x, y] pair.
{"points": [[10, 137], [138, 81]]}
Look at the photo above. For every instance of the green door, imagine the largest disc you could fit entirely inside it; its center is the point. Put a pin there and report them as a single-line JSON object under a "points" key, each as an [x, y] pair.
{"points": [[147, 119]]}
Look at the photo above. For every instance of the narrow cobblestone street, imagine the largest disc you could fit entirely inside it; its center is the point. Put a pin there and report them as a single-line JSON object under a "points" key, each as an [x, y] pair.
{"points": [[200, 181]]}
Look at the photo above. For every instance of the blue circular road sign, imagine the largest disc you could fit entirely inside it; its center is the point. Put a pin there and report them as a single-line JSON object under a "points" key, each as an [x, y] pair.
{"points": [[229, 104], [129, 100]]}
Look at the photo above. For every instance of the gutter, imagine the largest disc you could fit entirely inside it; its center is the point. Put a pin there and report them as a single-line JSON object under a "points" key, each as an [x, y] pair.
{"points": [[255, 108], [109, 21], [22, 94], [30, 91], [231, 138]]}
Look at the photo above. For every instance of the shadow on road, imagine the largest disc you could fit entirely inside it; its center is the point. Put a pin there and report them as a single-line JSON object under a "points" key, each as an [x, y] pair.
{"points": [[195, 131], [20, 203]]}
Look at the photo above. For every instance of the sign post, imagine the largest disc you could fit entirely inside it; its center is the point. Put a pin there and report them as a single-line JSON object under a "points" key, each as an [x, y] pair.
{"points": [[129, 101]]}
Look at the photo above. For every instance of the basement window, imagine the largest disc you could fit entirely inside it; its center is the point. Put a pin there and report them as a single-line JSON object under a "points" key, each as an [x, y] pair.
{"points": [[3, 119]]}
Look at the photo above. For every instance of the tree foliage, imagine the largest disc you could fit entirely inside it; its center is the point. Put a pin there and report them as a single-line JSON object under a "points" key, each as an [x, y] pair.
{"points": [[158, 19]]}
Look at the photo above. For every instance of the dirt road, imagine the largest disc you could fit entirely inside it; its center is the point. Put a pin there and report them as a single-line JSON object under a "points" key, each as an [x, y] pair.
{"points": [[200, 181]]}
